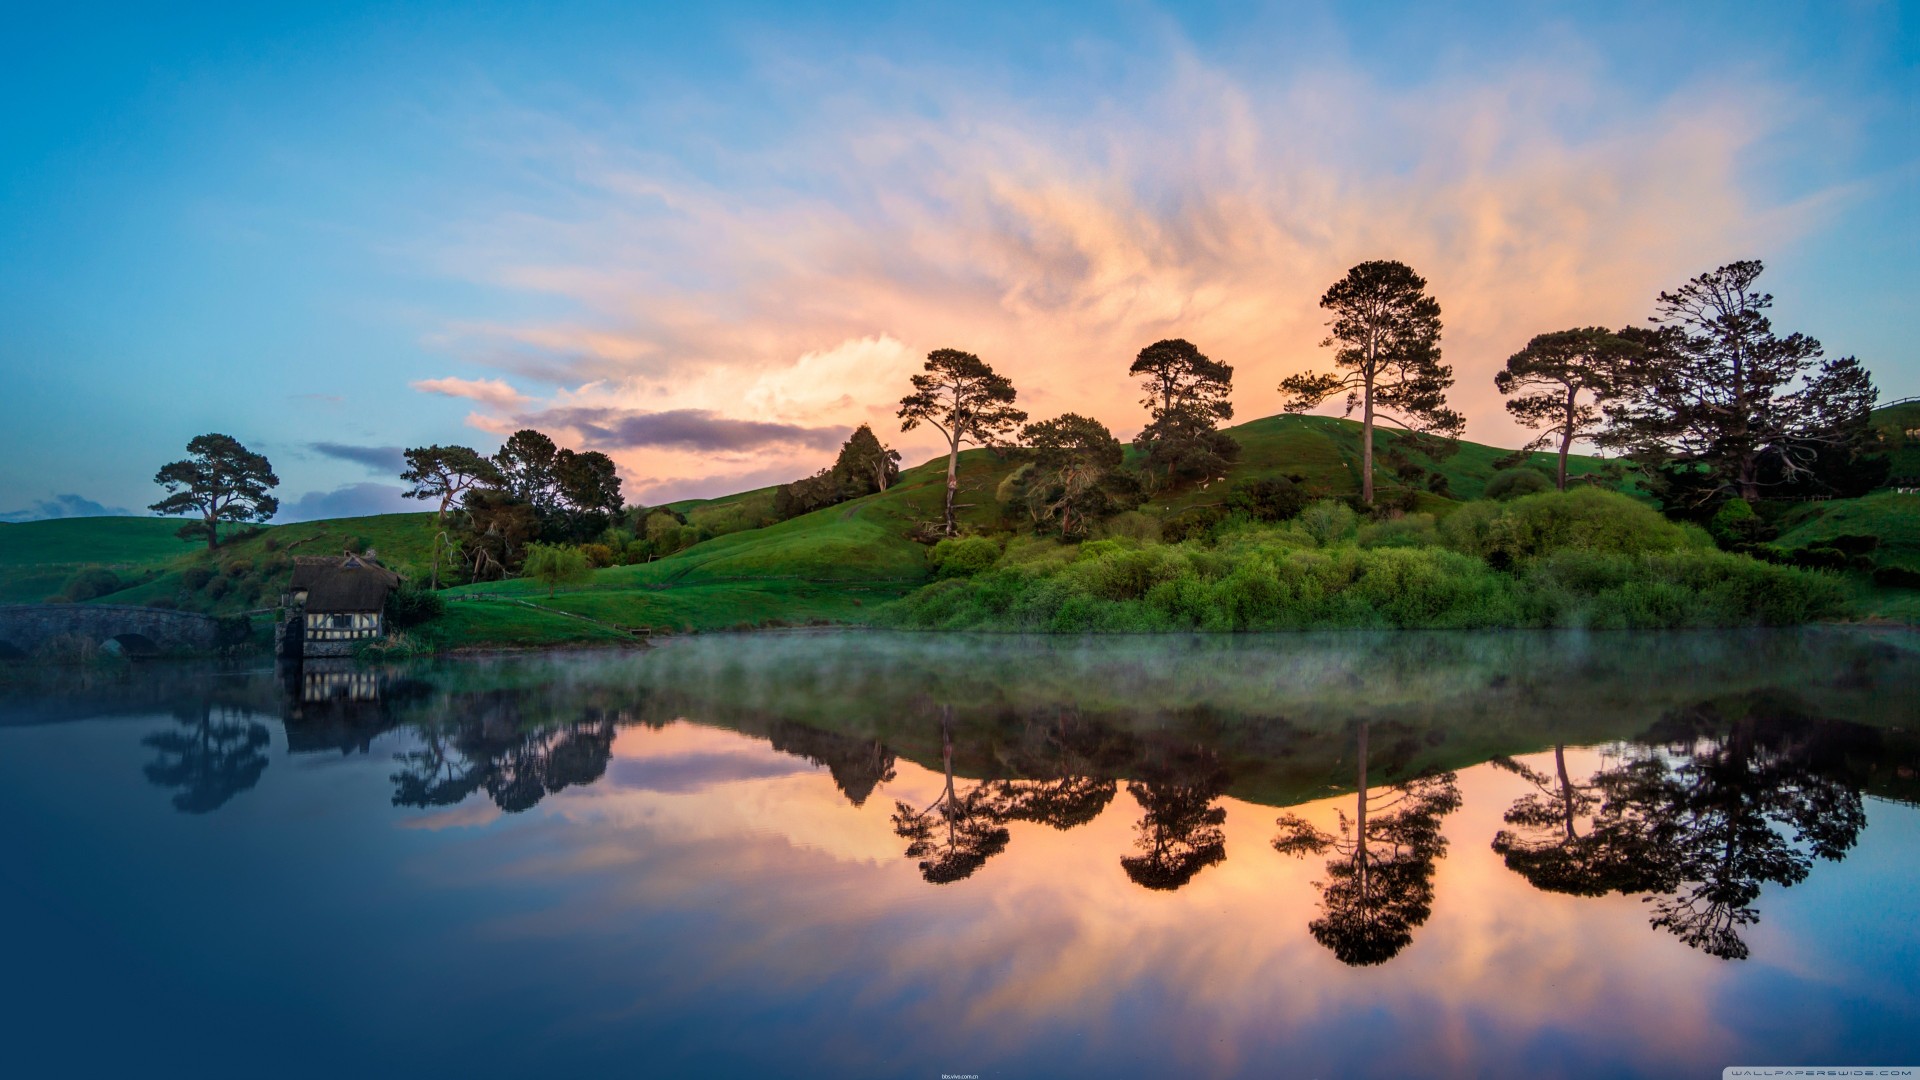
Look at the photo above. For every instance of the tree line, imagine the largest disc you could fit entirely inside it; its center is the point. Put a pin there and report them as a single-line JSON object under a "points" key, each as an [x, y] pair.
{"points": [[1707, 401]]}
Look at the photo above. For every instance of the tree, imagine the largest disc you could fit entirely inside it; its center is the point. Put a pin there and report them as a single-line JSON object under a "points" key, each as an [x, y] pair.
{"points": [[865, 465], [221, 481], [1075, 472], [211, 760], [1186, 400], [495, 529], [587, 488], [1387, 332], [554, 565], [1179, 833], [446, 472], [1574, 837], [527, 461], [963, 399], [1379, 885], [1552, 373], [959, 831], [1725, 407]]}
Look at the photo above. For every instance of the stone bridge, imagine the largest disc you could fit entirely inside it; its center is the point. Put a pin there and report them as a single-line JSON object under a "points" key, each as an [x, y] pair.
{"points": [[137, 631]]}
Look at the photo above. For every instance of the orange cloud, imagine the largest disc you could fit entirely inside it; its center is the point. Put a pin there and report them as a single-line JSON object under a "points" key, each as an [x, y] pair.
{"points": [[1214, 208], [495, 392]]}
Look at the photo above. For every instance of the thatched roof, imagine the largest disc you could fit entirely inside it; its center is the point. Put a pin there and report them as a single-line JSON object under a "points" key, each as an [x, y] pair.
{"points": [[343, 584]]}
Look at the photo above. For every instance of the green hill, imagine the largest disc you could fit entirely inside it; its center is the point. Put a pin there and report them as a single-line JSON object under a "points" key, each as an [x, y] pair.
{"points": [[831, 565]]}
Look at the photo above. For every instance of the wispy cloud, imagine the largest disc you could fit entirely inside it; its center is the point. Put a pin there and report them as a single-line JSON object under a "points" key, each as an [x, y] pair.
{"points": [[1210, 205], [385, 460], [495, 392], [64, 506]]}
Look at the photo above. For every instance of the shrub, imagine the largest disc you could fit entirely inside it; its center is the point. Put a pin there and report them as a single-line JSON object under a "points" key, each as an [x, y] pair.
{"points": [[1270, 499], [1736, 527], [1896, 577], [1584, 518], [195, 578], [410, 607], [962, 556], [90, 583], [235, 568], [217, 587], [1513, 483], [1131, 525], [554, 565], [636, 551], [1403, 531], [1193, 523], [1328, 522], [598, 555]]}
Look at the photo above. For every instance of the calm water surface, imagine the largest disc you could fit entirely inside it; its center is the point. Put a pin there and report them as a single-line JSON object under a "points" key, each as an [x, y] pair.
{"points": [[830, 854]]}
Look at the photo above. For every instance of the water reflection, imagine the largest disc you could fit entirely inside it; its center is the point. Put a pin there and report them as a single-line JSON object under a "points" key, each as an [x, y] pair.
{"points": [[1379, 885], [1713, 802], [217, 752], [1180, 832], [1695, 804]]}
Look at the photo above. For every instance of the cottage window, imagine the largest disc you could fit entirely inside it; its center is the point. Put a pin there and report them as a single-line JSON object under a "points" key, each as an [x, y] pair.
{"points": [[342, 622]]}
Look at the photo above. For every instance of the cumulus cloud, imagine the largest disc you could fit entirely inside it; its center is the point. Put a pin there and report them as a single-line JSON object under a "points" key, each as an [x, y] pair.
{"points": [[386, 460], [495, 392], [353, 500], [1056, 241], [64, 506]]}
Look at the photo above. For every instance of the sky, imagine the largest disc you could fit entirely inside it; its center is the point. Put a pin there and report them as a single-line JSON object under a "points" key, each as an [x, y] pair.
{"points": [[709, 240]]}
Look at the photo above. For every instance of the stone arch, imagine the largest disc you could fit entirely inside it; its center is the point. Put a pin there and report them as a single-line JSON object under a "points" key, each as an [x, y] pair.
{"points": [[132, 643]]}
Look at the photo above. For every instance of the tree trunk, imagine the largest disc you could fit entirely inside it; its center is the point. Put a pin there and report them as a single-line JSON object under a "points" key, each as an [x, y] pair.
{"points": [[1360, 823], [1366, 450], [953, 482], [213, 532], [1566, 786], [1749, 478], [1566, 440]]}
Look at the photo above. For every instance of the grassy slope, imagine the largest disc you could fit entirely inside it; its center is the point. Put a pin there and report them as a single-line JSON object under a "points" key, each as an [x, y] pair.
{"points": [[1326, 451], [1893, 424], [831, 565], [106, 541]]}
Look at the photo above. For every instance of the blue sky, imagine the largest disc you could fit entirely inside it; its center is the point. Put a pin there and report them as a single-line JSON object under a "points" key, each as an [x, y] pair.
{"points": [[709, 241]]}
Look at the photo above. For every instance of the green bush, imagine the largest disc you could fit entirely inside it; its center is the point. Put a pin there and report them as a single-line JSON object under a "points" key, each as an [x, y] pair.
{"points": [[409, 607], [962, 556], [1513, 483], [91, 583], [1736, 527], [1328, 521], [1271, 499], [195, 578], [1585, 519], [1405, 530]]}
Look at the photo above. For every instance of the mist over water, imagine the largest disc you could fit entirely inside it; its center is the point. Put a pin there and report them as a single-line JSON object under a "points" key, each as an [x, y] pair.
{"points": [[861, 854]]}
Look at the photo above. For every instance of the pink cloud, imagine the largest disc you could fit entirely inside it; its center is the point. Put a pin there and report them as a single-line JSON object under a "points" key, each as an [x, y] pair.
{"points": [[495, 392]]}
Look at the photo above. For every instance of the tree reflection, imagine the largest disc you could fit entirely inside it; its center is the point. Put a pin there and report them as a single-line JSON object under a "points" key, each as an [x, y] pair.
{"points": [[1379, 885], [1581, 839], [1723, 800], [857, 765], [1067, 782], [490, 751], [960, 831], [1180, 832], [210, 759]]}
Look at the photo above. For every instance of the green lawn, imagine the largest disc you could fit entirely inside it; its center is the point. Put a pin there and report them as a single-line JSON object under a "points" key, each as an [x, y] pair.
{"points": [[1893, 518]]}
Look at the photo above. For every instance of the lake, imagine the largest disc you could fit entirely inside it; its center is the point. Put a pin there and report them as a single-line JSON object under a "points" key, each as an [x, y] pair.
{"points": [[857, 854]]}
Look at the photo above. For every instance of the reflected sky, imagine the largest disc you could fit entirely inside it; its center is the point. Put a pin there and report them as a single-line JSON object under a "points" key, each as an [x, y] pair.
{"points": [[706, 885]]}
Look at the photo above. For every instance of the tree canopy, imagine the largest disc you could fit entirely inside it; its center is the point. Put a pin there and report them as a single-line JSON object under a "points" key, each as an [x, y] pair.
{"points": [[1386, 334], [1187, 398], [1561, 380], [220, 480], [1725, 407], [965, 400], [447, 472]]}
